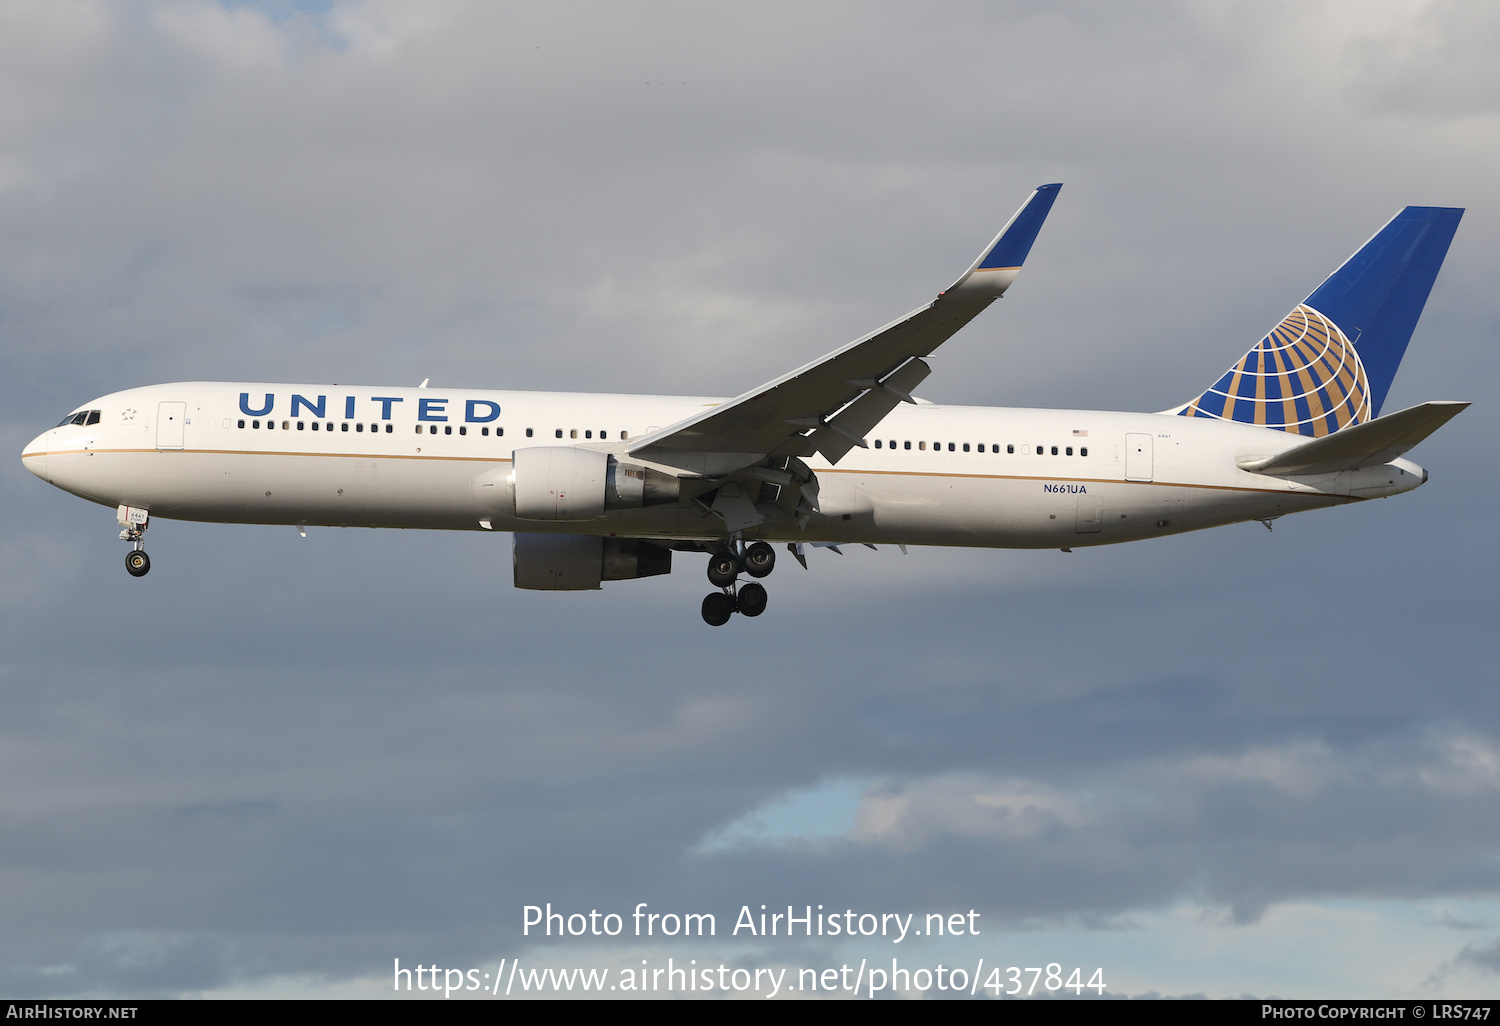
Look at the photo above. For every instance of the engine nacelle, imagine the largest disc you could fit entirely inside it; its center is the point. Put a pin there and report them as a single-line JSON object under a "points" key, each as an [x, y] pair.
{"points": [[568, 482], [578, 562]]}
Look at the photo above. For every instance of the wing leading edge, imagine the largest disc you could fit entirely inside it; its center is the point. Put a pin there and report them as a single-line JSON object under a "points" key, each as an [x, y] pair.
{"points": [[829, 405]]}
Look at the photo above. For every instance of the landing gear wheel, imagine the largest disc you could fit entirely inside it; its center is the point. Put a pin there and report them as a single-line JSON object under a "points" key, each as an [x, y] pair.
{"points": [[717, 608], [752, 600], [760, 559], [723, 568], [137, 563]]}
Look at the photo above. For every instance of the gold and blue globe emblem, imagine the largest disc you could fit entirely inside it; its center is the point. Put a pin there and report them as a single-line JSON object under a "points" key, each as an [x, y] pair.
{"points": [[1304, 377]]}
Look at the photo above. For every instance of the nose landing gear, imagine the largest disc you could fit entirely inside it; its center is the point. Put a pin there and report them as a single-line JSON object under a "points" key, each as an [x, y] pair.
{"points": [[724, 568], [134, 521]]}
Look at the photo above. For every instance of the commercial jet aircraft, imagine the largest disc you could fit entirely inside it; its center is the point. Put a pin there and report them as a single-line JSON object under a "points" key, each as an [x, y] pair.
{"points": [[607, 487]]}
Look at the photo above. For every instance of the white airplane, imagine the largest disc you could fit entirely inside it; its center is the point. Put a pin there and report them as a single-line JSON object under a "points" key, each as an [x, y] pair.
{"points": [[606, 487]]}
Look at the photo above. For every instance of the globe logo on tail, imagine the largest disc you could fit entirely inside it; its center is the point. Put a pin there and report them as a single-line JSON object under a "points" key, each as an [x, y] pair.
{"points": [[1304, 377]]}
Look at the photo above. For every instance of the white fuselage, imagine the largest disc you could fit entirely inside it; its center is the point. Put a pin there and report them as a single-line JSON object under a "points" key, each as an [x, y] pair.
{"points": [[437, 458]]}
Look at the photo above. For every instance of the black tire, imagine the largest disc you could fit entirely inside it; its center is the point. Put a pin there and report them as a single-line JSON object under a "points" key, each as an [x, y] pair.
{"points": [[723, 569], [752, 600], [137, 563], [717, 609], [760, 559]]}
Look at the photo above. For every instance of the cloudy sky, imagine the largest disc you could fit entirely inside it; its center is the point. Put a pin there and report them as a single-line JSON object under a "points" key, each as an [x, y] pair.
{"points": [[1225, 763]]}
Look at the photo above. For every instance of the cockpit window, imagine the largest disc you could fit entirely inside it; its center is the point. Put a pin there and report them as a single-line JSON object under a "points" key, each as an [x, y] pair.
{"points": [[82, 417]]}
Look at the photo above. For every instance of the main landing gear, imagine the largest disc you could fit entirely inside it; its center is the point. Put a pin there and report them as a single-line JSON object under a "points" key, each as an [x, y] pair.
{"points": [[724, 568], [135, 521]]}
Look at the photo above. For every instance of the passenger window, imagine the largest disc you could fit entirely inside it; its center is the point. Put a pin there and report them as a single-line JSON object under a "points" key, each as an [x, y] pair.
{"points": [[877, 443], [922, 446], [622, 436], [966, 447], [359, 427], [1054, 450], [528, 432], [586, 434], [419, 429], [390, 429], [242, 423], [301, 426], [447, 429], [499, 432], [1070, 450], [951, 449], [255, 423], [344, 426], [907, 445], [1008, 449], [484, 431], [573, 433], [1084, 451], [431, 429], [981, 447], [463, 430], [557, 433]]}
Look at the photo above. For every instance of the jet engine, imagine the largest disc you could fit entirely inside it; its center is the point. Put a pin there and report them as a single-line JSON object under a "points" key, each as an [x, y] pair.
{"points": [[566, 482], [577, 562]]}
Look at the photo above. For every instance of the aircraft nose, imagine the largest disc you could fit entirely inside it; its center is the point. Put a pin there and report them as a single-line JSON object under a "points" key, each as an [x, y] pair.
{"points": [[34, 457]]}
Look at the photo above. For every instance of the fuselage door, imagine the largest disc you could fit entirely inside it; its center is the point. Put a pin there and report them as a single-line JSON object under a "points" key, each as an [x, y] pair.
{"points": [[170, 419], [1137, 457]]}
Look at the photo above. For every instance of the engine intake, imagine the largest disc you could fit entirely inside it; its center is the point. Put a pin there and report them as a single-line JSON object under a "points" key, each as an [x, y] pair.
{"points": [[567, 482]]}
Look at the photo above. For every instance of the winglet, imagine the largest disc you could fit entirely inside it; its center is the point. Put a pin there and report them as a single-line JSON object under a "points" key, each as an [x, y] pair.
{"points": [[1001, 260]]}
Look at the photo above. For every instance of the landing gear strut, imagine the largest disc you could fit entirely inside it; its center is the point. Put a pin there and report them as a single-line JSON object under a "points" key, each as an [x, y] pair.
{"points": [[135, 521], [724, 567]]}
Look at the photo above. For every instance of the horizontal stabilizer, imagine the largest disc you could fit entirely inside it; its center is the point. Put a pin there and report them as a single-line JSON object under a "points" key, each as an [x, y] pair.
{"points": [[1363, 445]]}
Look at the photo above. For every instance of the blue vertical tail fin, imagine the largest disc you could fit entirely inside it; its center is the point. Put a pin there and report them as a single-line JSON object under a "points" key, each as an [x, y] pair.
{"points": [[1331, 361]]}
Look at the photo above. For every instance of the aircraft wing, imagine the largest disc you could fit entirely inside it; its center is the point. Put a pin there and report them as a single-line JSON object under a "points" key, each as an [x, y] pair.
{"points": [[1363, 445], [829, 405]]}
